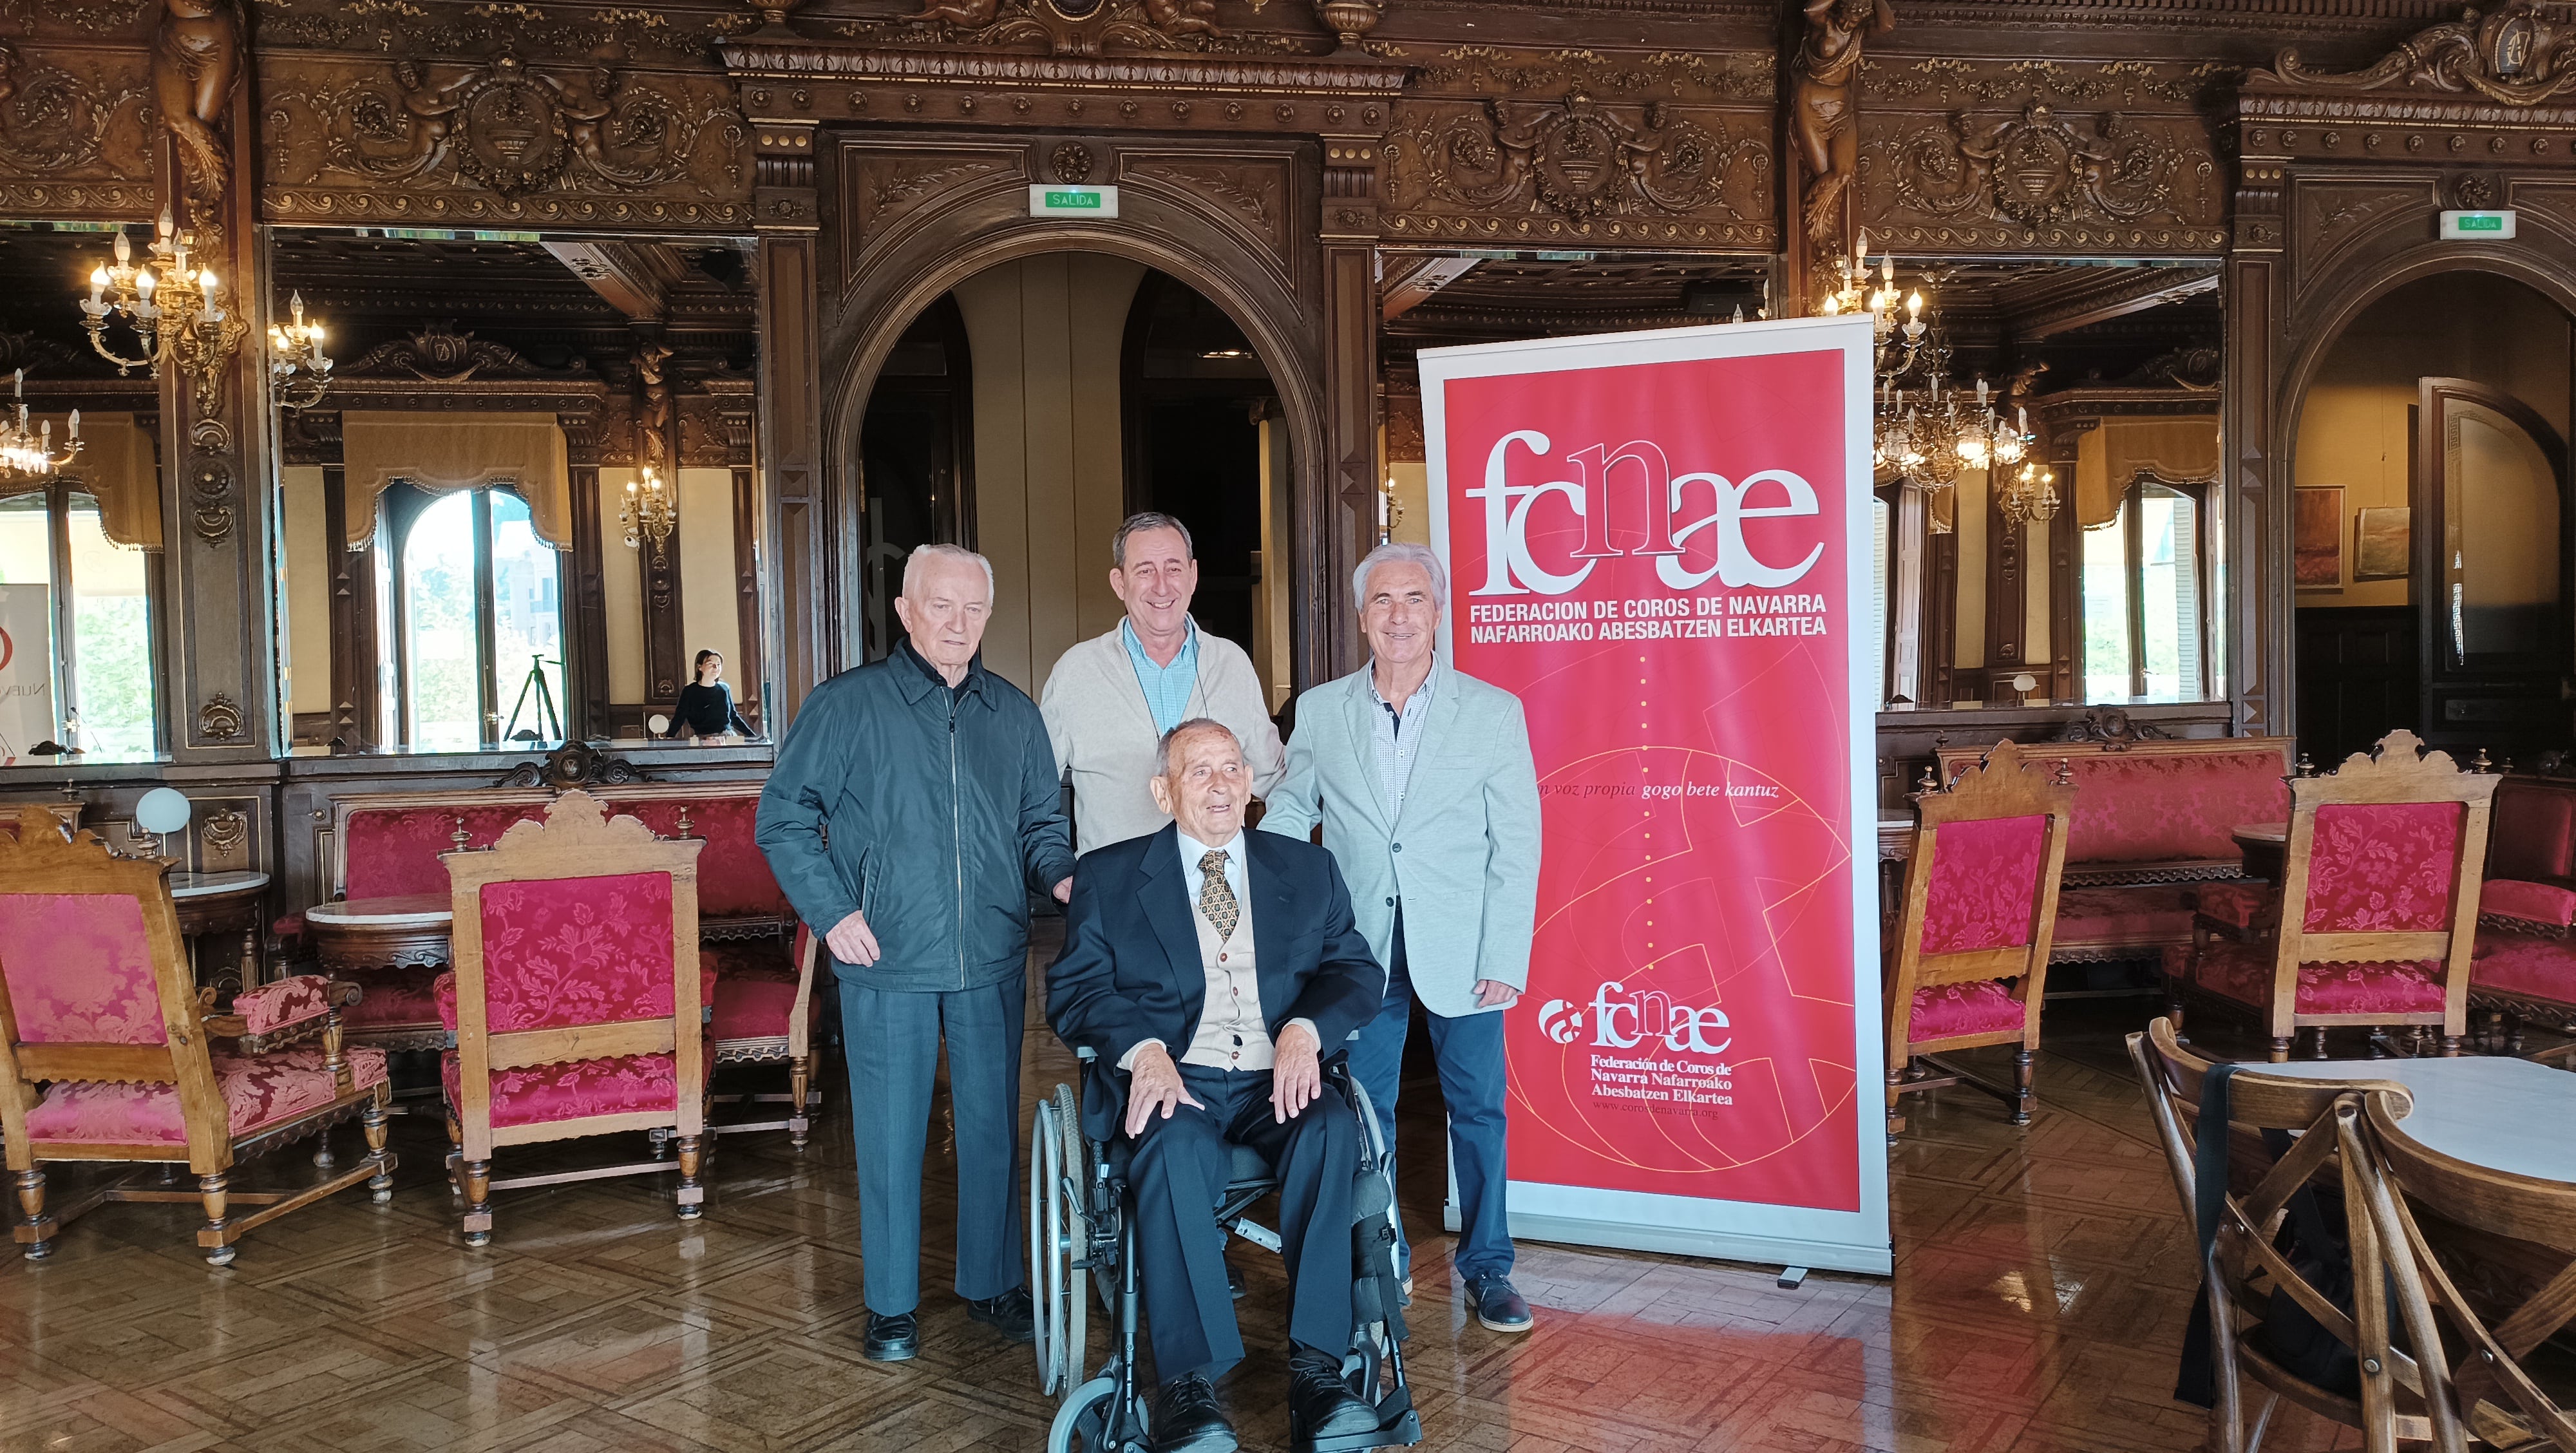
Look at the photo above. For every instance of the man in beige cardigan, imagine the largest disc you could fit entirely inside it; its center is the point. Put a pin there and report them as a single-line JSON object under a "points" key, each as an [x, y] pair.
{"points": [[1109, 700]]}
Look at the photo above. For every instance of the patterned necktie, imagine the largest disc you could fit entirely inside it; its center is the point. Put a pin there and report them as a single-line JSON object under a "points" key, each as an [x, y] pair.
{"points": [[1216, 896]]}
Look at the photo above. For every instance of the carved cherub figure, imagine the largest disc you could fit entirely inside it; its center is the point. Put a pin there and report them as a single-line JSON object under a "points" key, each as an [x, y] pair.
{"points": [[196, 62], [1820, 116]]}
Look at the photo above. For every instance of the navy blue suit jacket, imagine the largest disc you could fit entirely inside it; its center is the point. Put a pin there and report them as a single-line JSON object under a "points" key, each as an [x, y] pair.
{"points": [[1130, 968]]}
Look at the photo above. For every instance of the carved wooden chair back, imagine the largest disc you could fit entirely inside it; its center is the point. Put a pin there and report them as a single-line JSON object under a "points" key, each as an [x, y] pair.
{"points": [[95, 987], [2244, 1269], [578, 1006], [2380, 881], [1970, 958], [2500, 1400]]}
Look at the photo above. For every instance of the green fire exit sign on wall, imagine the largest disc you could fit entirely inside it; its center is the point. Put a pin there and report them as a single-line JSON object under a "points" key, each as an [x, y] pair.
{"points": [[1064, 201], [2476, 226]]}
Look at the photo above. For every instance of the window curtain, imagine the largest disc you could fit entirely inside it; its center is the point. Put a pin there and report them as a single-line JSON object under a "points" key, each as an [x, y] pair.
{"points": [[440, 452], [2108, 458], [118, 467]]}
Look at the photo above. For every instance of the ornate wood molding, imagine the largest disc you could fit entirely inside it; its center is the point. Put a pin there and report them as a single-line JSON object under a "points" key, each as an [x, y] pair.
{"points": [[1575, 167], [502, 139], [75, 133], [2514, 56]]}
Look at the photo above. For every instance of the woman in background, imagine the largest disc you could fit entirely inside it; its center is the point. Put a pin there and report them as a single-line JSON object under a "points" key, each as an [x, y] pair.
{"points": [[706, 707]]}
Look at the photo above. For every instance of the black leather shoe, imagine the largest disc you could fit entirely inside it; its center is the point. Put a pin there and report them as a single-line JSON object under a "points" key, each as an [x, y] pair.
{"points": [[1008, 1314], [891, 1339], [1320, 1404], [1497, 1306], [1187, 1419], [1234, 1281]]}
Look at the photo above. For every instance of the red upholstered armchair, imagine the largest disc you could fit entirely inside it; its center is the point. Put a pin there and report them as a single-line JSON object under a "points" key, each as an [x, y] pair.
{"points": [[576, 999], [107, 1052], [2526, 956], [1970, 957], [763, 1013], [2374, 920]]}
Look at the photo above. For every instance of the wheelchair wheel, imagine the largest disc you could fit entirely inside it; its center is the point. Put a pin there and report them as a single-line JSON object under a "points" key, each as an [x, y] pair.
{"points": [[1374, 1136], [1058, 1236], [1073, 1188]]}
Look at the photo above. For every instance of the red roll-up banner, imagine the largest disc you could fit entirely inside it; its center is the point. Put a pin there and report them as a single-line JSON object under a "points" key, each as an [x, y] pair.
{"points": [[1661, 542]]}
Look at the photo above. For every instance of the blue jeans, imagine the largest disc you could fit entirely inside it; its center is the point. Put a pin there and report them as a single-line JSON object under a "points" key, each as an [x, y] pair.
{"points": [[1469, 1052]]}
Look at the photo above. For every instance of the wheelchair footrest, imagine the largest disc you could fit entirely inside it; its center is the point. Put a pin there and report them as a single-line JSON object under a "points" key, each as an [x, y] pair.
{"points": [[1254, 1232], [1398, 1427]]}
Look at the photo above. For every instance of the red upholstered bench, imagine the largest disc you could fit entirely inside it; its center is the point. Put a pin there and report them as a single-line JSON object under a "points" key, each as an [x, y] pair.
{"points": [[2153, 825], [387, 845], [2525, 968]]}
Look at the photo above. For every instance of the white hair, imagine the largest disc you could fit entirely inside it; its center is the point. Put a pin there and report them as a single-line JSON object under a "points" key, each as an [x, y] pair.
{"points": [[912, 565], [1392, 554], [1193, 727]]}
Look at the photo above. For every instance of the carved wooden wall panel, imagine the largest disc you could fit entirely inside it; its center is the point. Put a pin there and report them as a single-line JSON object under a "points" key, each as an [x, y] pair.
{"points": [[75, 127], [2039, 156], [880, 187], [501, 139], [1508, 146], [2329, 215], [1253, 192]]}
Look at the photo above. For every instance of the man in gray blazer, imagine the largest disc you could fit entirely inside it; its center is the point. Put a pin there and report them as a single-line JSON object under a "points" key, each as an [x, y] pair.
{"points": [[1423, 780]]}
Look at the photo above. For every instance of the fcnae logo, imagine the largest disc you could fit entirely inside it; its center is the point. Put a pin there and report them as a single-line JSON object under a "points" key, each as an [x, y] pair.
{"points": [[1511, 570], [1626, 1021]]}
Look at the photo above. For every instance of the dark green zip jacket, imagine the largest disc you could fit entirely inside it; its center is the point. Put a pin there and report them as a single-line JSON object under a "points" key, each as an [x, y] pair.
{"points": [[934, 812]]}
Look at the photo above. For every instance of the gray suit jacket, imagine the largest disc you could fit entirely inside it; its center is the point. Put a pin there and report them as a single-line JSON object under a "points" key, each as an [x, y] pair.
{"points": [[1463, 854]]}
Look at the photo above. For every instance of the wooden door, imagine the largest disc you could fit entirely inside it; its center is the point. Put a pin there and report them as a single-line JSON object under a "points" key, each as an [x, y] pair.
{"points": [[2491, 571]]}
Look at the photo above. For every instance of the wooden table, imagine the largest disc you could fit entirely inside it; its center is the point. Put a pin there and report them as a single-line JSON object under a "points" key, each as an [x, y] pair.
{"points": [[224, 903], [2265, 846], [2504, 1114], [374, 934]]}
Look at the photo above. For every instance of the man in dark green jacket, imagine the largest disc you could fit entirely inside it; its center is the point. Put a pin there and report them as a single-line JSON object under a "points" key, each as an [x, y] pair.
{"points": [[914, 806]]}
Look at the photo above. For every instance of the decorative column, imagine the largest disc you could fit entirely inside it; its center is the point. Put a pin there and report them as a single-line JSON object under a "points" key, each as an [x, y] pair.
{"points": [[219, 670], [1820, 204], [800, 526], [658, 561], [585, 595], [2258, 505], [1340, 527], [735, 419]]}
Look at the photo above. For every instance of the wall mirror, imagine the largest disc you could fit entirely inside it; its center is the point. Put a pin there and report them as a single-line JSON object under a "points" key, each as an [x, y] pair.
{"points": [[520, 502], [2047, 509], [80, 521]]}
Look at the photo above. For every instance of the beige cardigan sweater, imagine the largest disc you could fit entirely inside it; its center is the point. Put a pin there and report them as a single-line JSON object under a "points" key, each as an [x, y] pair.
{"points": [[1104, 734]]}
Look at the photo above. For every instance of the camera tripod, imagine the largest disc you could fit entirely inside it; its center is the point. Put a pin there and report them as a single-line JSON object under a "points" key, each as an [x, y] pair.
{"points": [[546, 715]]}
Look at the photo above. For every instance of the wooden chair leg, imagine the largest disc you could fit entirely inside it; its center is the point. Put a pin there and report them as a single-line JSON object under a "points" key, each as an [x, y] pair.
{"points": [[693, 1196], [2451, 1045], [2317, 1042], [2023, 1067], [478, 1203], [2280, 1048], [214, 1191], [380, 1186], [38, 1230], [2376, 1047], [2512, 1033], [800, 1083], [455, 1157], [1895, 1084]]}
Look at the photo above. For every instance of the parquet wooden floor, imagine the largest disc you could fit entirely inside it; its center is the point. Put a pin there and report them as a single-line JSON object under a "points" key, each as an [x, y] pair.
{"points": [[2042, 1280]]}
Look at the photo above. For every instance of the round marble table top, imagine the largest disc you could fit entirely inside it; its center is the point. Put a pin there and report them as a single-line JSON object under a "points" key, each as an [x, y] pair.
{"points": [[208, 885], [417, 910], [2486, 1110]]}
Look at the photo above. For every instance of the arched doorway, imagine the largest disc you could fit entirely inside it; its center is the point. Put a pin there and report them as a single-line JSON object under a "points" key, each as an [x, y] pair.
{"points": [[1039, 401], [2430, 546]]}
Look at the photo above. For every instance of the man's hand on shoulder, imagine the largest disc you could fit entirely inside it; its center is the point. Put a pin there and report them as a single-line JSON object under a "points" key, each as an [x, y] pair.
{"points": [[1154, 1083], [1296, 1071], [852, 941]]}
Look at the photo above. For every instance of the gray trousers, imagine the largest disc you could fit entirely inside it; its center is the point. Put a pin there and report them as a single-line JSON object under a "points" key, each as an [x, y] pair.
{"points": [[893, 1044]]}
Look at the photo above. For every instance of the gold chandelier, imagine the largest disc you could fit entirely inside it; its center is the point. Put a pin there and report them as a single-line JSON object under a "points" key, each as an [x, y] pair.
{"points": [[648, 512], [176, 311], [32, 453], [298, 372]]}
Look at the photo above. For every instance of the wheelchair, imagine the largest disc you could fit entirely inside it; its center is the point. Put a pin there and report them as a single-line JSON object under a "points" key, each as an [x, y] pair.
{"points": [[1081, 1244]]}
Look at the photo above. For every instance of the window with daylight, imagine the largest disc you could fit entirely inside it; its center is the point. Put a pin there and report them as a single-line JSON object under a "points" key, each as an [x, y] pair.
{"points": [[76, 609], [2146, 594], [477, 607]]}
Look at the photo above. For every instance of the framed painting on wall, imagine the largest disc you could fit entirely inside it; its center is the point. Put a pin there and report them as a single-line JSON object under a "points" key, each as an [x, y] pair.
{"points": [[2383, 538], [2316, 537]]}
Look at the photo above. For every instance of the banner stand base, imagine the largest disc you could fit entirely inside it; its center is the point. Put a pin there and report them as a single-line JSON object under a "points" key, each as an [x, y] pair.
{"points": [[1774, 1251]]}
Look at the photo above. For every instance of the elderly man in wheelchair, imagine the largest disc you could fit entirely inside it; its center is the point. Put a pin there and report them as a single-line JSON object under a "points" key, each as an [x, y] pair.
{"points": [[1205, 970]]}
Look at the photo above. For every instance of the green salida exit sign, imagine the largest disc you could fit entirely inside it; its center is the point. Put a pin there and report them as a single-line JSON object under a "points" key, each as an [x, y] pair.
{"points": [[2476, 226], [1065, 201]]}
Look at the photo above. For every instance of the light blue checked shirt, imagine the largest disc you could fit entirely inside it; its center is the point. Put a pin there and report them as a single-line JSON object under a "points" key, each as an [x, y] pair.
{"points": [[1398, 739]]}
